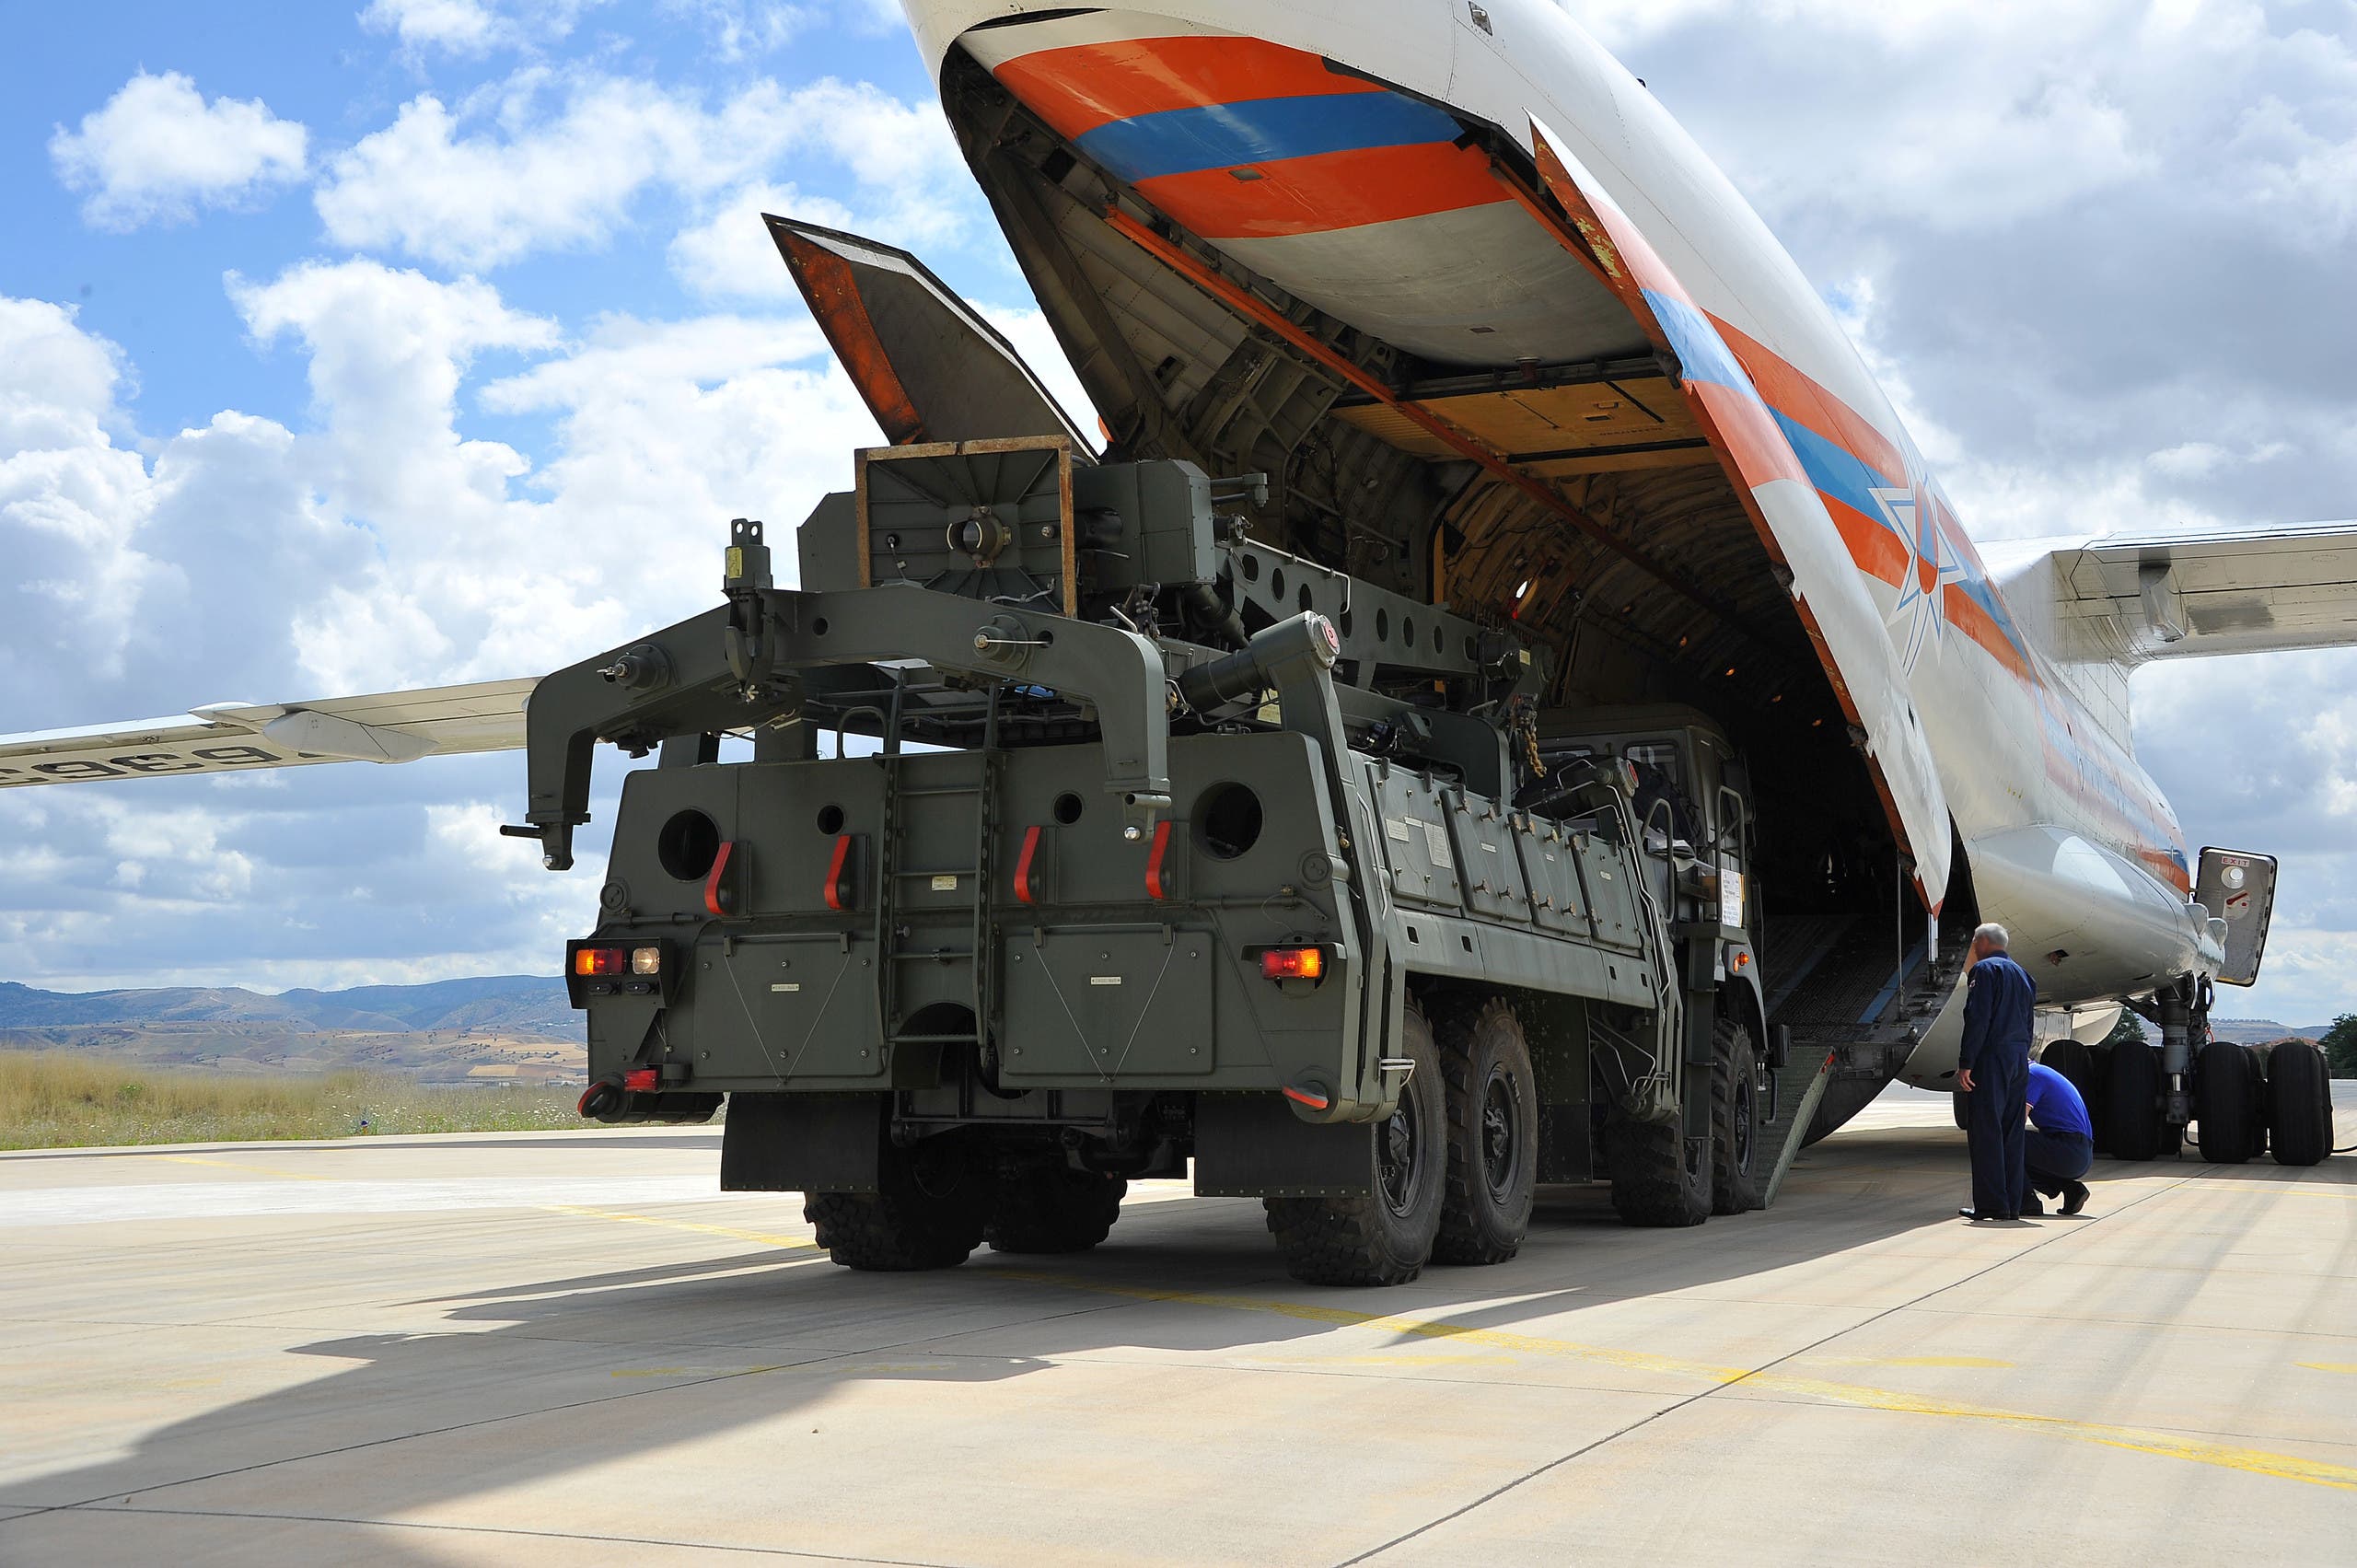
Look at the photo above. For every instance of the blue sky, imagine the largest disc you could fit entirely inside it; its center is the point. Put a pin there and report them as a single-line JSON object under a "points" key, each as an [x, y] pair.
{"points": [[318, 323]]}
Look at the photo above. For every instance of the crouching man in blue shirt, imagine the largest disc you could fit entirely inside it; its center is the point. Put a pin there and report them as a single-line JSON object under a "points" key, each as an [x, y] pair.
{"points": [[2061, 1142]]}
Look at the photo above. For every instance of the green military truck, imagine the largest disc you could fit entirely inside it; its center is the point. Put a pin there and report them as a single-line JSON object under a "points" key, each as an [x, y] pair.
{"points": [[1085, 838]]}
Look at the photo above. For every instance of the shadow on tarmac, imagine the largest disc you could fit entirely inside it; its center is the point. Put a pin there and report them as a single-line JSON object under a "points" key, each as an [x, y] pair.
{"points": [[541, 1377]]}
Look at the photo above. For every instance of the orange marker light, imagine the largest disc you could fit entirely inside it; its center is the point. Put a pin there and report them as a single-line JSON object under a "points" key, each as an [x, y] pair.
{"points": [[597, 960], [1293, 963]]}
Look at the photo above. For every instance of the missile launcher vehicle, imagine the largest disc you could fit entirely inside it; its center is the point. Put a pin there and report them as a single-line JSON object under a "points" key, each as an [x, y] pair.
{"points": [[1085, 838]]}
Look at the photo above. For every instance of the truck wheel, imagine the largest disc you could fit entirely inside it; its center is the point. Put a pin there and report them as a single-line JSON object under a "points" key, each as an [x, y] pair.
{"points": [[2135, 1102], [1734, 1181], [2299, 1103], [1493, 1137], [1660, 1177], [928, 1214], [1382, 1236], [2222, 1101], [1042, 1207]]}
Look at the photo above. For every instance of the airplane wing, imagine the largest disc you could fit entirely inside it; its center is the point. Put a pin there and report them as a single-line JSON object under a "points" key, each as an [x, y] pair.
{"points": [[229, 738], [2175, 595]]}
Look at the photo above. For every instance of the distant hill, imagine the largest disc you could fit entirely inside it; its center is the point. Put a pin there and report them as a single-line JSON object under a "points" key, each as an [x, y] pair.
{"points": [[2263, 1031], [515, 1002], [499, 1028]]}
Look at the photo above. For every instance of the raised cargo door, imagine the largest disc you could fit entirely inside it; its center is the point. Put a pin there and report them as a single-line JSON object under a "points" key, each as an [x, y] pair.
{"points": [[929, 367], [1864, 668]]}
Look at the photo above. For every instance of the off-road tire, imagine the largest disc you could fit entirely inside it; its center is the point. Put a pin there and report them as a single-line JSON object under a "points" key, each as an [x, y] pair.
{"points": [[2299, 1103], [928, 1214], [1657, 1181], [2135, 1088], [1735, 1121], [1367, 1239], [1493, 1177], [1050, 1207], [2222, 1092]]}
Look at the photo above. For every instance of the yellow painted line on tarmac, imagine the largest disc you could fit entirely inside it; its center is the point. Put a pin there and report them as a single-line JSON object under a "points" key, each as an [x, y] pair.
{"points": [[240, 1165], [2196, 1450], [788, 1243], [2349, 1366], [1911, 1361]]}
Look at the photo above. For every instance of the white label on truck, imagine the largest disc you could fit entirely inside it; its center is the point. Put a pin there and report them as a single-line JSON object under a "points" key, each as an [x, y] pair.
{"points": [[1436, 845], [945, 884], [1395, 828], [787, 985], [1107, 980], [1731, 899]]}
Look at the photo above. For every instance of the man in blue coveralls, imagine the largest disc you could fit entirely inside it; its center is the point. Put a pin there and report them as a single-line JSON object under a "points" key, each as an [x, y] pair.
{"points": [[2061, 1141], [1993, 1071]]}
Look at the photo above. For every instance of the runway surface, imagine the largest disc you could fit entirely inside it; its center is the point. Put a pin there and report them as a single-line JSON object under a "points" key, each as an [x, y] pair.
{"points": [[569, 1349]]}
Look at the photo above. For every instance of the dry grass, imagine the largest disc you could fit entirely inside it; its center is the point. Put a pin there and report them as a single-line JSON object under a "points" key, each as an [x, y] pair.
{"points": [[50, 1101]]}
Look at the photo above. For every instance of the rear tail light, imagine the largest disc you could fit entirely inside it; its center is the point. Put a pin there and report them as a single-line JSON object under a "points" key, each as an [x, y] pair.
{"points": [[1293, 963], [640, 1080], [598, 961], [646, 960]]}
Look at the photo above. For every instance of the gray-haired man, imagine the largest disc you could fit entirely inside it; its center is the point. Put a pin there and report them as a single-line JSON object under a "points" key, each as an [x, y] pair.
{"points": [[1992, 1069]]}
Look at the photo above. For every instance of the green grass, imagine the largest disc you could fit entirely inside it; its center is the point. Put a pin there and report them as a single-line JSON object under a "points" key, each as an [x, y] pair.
{"points": [[53, 1101]]}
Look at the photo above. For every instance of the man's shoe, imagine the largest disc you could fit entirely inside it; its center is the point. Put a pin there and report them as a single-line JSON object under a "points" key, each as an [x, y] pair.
{"points": [[2074, 1197], [1975, 1216], [2033, 1210]]}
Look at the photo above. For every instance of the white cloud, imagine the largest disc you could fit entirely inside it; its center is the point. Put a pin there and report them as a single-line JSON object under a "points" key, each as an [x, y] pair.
{"points": [[499, 177], [381, 546], [157, 151], [457, 26]]}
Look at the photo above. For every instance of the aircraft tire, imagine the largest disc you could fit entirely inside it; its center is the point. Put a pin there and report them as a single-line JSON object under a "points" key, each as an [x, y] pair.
{"points": [[2258, 1097], [1046, 1206], [2135, 1094], [2222, 1093], [929, 1212], [1735, 1121], [1492, 1135], [1383, 1237], [2299, 1103], [2077, 1062], [2097, 1094]]}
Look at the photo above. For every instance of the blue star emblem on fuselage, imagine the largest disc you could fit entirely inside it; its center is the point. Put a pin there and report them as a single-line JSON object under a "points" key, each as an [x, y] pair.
{"points": [[1919, 615]]}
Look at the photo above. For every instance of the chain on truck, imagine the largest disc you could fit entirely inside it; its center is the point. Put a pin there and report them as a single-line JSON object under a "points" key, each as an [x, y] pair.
{"points": [[1085, 838]]}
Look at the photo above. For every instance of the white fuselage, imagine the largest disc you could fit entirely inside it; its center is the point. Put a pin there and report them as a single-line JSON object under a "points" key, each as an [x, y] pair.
{"points": [[2067, 839]]}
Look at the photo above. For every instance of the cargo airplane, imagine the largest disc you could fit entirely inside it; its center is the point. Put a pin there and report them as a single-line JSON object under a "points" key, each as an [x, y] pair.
{"points": [[1500, 336]]}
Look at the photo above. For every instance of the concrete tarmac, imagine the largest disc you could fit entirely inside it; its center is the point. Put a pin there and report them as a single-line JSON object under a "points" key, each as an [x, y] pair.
{"points": [[569, 1349]]}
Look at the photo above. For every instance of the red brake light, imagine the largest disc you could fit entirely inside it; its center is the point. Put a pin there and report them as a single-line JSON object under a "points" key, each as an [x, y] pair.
{"points": [[600, 960], [640, 1080], [1293, 963]]}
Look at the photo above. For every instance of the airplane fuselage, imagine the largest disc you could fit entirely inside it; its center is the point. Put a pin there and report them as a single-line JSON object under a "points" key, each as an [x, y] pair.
{"points": [[1369, 211]]}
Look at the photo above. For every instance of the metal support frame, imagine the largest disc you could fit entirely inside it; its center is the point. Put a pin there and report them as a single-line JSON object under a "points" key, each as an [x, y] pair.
{"points": [[737, 667]]}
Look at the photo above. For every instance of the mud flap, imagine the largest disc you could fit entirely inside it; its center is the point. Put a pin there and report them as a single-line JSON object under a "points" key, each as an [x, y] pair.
{"points": [[802, 1143], [1253, 1145]]}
